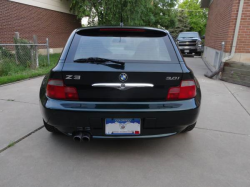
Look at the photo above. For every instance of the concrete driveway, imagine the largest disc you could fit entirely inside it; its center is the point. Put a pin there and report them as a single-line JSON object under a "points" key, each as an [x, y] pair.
{"points": [[216, 153]]}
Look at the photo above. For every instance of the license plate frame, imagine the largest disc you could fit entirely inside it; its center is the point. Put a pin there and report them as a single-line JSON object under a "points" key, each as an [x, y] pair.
{"points": [[122, 126], [186, 51]]}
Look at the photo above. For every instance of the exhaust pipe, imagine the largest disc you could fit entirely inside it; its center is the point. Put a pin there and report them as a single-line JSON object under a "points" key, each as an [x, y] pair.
{"points": [[86, 137], [81, 136], [77, 137]]}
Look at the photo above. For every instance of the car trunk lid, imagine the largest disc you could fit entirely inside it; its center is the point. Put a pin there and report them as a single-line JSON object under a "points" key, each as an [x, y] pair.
{"points": [[158, 78]]}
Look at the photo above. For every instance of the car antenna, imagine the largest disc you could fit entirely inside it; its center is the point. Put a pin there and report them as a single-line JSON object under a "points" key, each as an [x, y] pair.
{"points": [[121, 23]]}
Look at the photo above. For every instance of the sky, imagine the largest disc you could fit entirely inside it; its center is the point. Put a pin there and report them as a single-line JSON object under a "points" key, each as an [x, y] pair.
{"points": [[85, 20]]}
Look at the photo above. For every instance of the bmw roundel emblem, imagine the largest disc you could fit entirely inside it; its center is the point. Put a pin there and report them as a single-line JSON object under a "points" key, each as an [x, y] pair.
{"points": [[123, 77]]}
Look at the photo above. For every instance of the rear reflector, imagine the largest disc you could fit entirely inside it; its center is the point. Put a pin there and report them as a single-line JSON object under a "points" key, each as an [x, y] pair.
{"points": [[57, 90], [121, 30], [186, 90]]}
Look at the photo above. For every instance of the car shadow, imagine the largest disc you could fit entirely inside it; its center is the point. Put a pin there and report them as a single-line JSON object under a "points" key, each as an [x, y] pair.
{"points": [[118, 146]]}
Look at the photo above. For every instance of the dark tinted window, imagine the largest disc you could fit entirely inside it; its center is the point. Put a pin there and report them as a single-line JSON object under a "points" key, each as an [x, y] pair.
{"points": [[189, 35], [129, 49]]}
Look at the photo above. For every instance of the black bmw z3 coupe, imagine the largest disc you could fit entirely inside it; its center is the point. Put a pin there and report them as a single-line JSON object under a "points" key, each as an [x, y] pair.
{"points": [[120, 82]]}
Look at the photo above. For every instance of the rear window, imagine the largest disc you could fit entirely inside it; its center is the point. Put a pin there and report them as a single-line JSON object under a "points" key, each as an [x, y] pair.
{"points": [[189, 35], [126, 48]]}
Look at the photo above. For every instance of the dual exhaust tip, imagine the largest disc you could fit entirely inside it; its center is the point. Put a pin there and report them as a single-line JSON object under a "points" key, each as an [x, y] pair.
{"points": [[81, 137]]}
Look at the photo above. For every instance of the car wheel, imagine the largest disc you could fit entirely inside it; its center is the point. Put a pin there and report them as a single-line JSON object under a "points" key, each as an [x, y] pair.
{"points": [[50, 128], [189, 128]]}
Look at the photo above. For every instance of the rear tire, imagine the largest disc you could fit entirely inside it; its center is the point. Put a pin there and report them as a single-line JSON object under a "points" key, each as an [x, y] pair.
{"points": [[189, 128], [50, 128]]}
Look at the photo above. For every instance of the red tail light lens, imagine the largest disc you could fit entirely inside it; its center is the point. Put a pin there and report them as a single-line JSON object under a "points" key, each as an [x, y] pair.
{"points": [[186, 90], [57, 90]]}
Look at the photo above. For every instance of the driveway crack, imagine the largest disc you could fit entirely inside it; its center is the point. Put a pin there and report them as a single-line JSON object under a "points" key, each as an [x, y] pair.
{"points": [[20, 139], [235, 133], [12, 100]]}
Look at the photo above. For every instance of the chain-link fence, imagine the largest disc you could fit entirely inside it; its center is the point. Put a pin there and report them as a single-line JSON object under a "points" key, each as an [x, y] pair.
{"points": [[23, 54]]}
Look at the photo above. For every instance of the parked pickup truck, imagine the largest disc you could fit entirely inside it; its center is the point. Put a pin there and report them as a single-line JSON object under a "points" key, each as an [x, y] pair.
{"points": [[190, 43]]}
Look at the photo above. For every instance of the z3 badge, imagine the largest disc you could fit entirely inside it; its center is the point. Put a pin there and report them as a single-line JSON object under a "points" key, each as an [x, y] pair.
{"points": [[75, 77]]}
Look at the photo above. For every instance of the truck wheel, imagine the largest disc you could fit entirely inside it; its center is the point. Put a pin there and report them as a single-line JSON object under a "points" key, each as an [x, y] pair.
{"points": [[50, 128], [189, 128], [198, 53]]}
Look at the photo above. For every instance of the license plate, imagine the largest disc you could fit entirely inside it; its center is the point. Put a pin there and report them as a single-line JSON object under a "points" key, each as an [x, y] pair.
{"points": [[186, 51], [115, 126]]}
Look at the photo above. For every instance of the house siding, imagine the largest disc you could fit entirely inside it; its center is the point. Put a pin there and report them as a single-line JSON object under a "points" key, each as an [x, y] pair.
{"points": [[57, 5], [30, 20], [221, 24], [243, 43]]}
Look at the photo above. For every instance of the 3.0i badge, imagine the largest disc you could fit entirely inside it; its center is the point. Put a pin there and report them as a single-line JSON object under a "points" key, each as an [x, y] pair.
{"points": [[123, 77]]}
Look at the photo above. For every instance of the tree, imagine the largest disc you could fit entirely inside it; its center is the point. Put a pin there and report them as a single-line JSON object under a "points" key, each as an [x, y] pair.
{"points": [[155, 13], [108, 12], [182, 24], [162, 14], [197, 17]]}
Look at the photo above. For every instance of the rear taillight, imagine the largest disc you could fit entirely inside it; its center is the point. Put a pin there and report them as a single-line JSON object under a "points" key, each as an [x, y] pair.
{"points": [[186, 90], [57, 90]]}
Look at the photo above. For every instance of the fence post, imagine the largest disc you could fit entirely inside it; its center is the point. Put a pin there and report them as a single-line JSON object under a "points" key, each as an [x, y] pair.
{"points": [[31, 49], [16, 37], [1, 51], [47, 42], [36, 51]]}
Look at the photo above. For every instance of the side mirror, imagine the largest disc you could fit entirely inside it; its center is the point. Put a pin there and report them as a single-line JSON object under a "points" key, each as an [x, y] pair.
{"points": [[203, 37]]}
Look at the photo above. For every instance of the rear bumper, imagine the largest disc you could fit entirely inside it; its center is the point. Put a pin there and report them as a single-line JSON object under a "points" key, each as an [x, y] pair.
{"points": [[158, 119], [135, 137]]}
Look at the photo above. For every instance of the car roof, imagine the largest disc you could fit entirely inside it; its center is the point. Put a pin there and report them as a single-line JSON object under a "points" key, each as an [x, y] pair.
{"points": [[126, 27]]}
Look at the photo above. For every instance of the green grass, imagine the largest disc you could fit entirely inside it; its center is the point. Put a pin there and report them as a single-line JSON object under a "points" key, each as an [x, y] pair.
{"points": [[11, 72], [11, 144]]}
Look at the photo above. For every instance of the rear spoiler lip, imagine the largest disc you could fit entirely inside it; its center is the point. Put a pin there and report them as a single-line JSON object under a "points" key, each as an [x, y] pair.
{"points": [[118, 27]]}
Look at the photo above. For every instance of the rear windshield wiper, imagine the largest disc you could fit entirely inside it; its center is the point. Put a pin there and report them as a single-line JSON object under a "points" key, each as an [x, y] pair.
{"points": [[97, 60]]}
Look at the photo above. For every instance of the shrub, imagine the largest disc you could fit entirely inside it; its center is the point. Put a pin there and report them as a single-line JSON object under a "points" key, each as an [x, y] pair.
{"points": [[5, 53], [23, 52]]}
